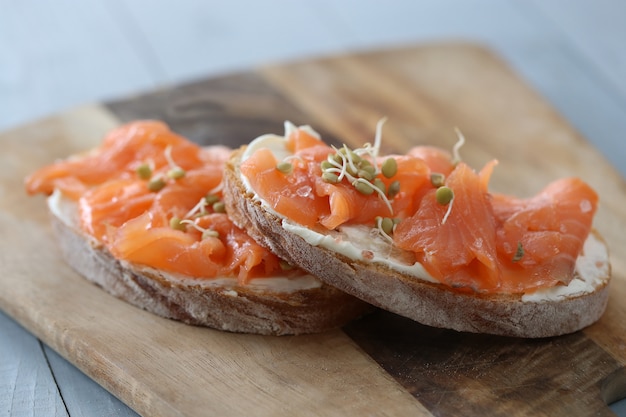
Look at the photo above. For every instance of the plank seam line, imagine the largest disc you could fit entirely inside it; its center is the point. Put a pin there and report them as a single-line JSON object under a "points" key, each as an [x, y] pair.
{"points": [[54, 378]]}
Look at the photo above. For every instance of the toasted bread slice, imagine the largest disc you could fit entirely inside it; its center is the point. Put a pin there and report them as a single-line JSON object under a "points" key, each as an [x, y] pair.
{"points": [[391, 286], [272, 306]]}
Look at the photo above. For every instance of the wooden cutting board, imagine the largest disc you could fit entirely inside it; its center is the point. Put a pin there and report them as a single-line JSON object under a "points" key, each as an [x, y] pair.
{"points": [[382, 364]]}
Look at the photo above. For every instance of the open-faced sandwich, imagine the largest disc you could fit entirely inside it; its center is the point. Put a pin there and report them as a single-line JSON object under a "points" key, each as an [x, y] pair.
{"points": [[143, 217], [421, 235]]}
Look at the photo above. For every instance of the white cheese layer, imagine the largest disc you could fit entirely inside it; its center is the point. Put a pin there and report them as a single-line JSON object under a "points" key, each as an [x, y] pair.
{"points": [[363, 244]]}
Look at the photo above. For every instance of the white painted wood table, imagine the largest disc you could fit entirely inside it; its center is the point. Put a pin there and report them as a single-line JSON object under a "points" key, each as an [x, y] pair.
{"points": [[56, 55]]}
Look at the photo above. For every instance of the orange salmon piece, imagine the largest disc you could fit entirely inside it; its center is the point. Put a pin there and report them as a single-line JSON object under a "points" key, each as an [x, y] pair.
{"points": [[244, 258], [461, 251], [121, 152], [290, 195], [164, 248], [551, 229], [347, 204], [112, 204], [301, 139], [414, 178], [470, 244], [437, 159], [177, 198], [117, 207]]}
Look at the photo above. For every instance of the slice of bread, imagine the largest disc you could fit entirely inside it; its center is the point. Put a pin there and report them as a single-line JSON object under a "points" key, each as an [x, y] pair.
{"points": [[271, 306], [549, 312]]}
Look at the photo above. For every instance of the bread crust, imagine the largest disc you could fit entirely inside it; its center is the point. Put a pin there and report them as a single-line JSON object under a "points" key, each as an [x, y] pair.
{"points": [[426, 302], [229, 307]]}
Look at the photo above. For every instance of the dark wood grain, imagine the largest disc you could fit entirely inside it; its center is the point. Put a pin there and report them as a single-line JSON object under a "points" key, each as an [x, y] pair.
{"points": [[229, 110], [456, 374]]}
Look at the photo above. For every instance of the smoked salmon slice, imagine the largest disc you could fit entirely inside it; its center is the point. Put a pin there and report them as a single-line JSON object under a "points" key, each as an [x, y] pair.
{"points": [[305, 197], [458, 246], [473, 241], [153, 198], [550, 228]]}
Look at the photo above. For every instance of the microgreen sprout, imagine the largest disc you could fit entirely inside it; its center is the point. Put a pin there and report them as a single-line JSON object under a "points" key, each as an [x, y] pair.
{"points": [[365, 174], [378, 183], [205, 232], [175, 172], [199, 208], [519, 253], [284, 265], [394, 189], [219, 207], [444, 195], [386, 226], [210, 233], [330, 177], [456, 157], [363, 186], [284, 167], [360, 169], [144, 171], [389, 167], [156, 184], [378, 138], [211, 198], [177, 224], [437, 179]]}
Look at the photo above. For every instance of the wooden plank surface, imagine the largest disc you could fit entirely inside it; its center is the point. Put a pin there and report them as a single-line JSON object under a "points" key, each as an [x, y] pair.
{"points": [[410, 369], [76, 388]]}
